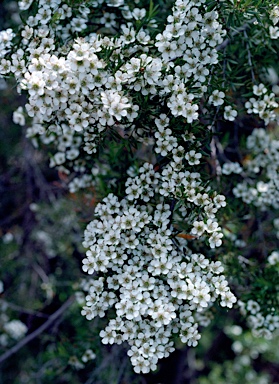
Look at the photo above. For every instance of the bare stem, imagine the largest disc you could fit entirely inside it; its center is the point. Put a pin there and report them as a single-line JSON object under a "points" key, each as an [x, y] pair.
{"points": [[38, 331], [236, 32], [249, 57], [24, 310]]}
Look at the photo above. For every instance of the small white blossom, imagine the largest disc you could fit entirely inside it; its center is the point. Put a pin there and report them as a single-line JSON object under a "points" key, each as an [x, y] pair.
{"points": [[229, 113]]}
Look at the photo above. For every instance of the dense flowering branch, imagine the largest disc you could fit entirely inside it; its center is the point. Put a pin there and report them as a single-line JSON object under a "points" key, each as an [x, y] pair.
{"points": [[161, 89]]}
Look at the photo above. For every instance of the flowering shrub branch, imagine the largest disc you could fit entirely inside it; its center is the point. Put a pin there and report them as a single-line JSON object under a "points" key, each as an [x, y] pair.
{"points": [[116, 74]]}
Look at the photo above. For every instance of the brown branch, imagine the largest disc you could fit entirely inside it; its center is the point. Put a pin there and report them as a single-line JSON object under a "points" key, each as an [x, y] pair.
{"points": [[38, 331]]}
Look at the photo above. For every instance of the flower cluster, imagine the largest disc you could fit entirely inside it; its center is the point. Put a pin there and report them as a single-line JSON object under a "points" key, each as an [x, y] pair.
{"points": [[75, 94], [262, 326], [229, 168], [155, 284], [6, 38], [264, 106], [263, 191], [153, 86], [15, 329], [11, 329]]}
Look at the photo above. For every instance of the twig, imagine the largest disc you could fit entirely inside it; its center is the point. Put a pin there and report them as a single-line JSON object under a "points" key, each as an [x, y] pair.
{"points": [[38, 331], [35, 174], [224, 68], [249, 57], [106, 362], [41, 273], [172, 206], [24, 310], [122, 370], [16, 215], [236, 32], [261, 236], [213, 146]]}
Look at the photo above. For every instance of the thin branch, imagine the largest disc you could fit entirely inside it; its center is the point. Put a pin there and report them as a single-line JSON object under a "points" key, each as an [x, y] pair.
{"points": [[172, 206], [250, 58], [24, 310], [122, 370], [34, 173], [38, 331], [213, 146], [41, 273], [107, 361], [262, 236], [16, 215], [235, 33]]}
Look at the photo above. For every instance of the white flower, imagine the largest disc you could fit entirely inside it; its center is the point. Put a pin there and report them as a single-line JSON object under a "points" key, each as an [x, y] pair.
{"points": [[24, 4], [115, 3], [139, 13], [215, 239], [18, 116], [198, 228], [211, 226], [274, 14], [259, 90], [228, 299], [273, 258], [88, 355], [217, 98], [229, 113], [220, 201], [193, 157], [274, 32], [15, 328], [253, 307]]}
